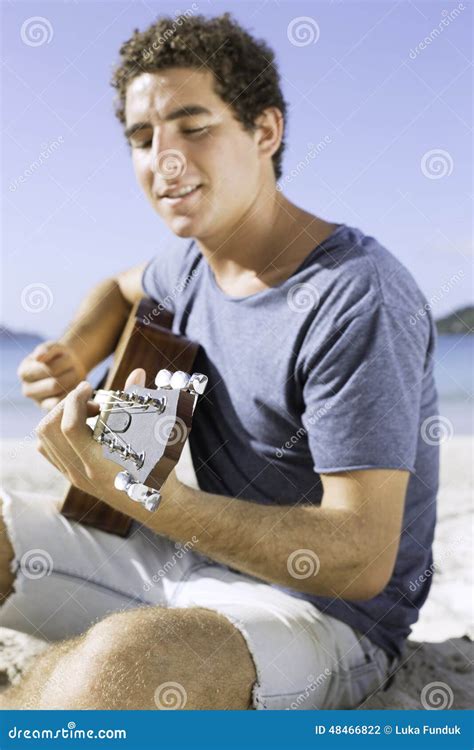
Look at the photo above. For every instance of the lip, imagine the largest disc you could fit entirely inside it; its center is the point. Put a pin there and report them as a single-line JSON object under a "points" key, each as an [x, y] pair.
{"points": [[182, 199]]}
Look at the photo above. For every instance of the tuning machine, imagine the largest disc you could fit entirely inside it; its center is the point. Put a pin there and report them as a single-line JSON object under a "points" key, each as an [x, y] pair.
{"points": [[136, 491], [179, 380]]}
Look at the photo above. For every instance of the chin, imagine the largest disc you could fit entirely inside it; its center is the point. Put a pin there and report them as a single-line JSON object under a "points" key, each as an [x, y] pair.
{"points": [[185, 226], [182, 228]]}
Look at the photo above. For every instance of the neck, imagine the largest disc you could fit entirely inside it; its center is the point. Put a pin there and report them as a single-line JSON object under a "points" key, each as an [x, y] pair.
{"points": [[264, 246]]}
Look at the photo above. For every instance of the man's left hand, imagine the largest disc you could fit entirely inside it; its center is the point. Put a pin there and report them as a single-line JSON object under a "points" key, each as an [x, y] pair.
{"points": [[66, 441]]}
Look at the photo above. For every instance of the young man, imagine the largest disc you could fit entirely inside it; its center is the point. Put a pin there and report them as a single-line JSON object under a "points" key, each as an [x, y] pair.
{"points": [[315, 512]]}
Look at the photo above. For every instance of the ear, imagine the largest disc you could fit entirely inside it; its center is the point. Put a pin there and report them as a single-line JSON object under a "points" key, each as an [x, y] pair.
{"points": [[269, 131]]}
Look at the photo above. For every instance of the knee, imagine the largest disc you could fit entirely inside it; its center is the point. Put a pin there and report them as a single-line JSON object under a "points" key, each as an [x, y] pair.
{"points": [[6, 556], [108, 667], [154, 658], [94, 673]]}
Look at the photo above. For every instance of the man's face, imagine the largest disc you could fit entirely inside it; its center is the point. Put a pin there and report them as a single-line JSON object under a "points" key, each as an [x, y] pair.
{"points": [[184, 136]]}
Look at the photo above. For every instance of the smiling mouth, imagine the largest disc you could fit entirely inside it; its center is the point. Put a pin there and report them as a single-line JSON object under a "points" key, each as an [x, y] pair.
{"points": [[175, 196]]}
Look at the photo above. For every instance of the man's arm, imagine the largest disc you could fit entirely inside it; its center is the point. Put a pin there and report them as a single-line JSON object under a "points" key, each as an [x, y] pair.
{"points": [[96, 327], [346, 547], [54, 368]]}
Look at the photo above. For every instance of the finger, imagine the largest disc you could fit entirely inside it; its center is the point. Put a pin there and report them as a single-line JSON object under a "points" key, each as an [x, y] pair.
{"points": [[63, 458], [49, 403], [40, 447], [44, 447], [73, 422], [44, 431], [136, 377], [93, 409], [48, 387], [47, 350], [31, 370]]}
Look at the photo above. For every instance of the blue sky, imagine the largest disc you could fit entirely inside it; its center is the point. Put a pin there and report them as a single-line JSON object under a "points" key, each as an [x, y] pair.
{"points": [[385, 87]]}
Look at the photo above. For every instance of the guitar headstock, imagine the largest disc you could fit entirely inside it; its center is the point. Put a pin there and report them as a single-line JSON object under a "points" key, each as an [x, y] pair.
{"points": [[137, 425]]}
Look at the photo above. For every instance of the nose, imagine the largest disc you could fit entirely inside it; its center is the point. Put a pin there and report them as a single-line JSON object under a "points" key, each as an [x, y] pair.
{"points": [[167, 162]]}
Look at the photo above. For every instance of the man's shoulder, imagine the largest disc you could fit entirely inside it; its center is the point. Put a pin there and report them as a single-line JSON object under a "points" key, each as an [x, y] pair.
{"points": [[354, 272]]}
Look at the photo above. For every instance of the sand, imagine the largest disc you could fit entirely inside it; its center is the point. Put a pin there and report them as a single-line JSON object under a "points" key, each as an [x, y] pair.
{"points": [[439, 650]]}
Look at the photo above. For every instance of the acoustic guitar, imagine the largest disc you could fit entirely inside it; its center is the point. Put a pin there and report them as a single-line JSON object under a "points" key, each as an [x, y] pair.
{"points": [[142, 429]]}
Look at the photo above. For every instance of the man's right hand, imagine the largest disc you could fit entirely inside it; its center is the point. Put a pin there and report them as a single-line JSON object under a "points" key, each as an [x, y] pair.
{"points": [[50, 372]]}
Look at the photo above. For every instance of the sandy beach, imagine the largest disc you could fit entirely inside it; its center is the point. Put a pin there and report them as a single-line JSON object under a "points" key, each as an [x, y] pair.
{"points": [[445, 620]]}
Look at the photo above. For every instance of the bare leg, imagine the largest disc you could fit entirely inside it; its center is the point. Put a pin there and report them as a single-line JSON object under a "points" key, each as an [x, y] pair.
{"points": [[6, 556], [147, 658], [27, 694], [46, 661]]}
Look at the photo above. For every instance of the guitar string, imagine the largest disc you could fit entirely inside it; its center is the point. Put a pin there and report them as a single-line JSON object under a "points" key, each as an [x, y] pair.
{"points": [[120, 402], [116, 408], [116, 437]]}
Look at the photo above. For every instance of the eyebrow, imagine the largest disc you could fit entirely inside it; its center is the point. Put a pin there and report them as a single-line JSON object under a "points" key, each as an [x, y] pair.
{"points": [[187, 111]]}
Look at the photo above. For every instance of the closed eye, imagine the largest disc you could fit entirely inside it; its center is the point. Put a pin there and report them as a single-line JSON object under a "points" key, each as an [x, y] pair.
{"points": [[187, 131], [191, 131]]}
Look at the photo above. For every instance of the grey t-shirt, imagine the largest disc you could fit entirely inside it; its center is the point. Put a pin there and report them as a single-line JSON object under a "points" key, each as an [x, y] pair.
{"points": [[330, 370]]}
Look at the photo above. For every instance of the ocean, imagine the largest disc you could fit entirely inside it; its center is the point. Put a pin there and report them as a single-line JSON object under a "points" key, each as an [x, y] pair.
{"points": [[454, 365]]}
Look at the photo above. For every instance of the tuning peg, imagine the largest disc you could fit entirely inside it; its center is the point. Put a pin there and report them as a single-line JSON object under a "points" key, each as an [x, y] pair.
{"points": [[152, 502], [123, 480], [198, 383], [140, 493], [137, 491], [179, 380], [163, 379]]}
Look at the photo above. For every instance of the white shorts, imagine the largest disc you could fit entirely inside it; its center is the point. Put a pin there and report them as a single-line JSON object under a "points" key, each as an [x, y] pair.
{"points": [[69, 576]]}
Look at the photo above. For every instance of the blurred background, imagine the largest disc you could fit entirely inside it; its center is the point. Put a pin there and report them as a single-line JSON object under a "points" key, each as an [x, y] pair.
{"points": [[379, 137]]}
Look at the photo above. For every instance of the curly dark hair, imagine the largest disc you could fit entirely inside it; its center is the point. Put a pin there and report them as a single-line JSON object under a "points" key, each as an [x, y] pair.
{"points": [[245, 73]]}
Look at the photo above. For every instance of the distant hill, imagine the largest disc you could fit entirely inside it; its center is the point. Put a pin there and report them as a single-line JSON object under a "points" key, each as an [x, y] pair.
{"points": [[8, 336], [459, 321]]}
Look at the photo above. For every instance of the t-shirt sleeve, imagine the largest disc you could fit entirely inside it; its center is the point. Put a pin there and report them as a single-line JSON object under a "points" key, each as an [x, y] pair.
{"points": [[164, 273], [362, 393]]}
